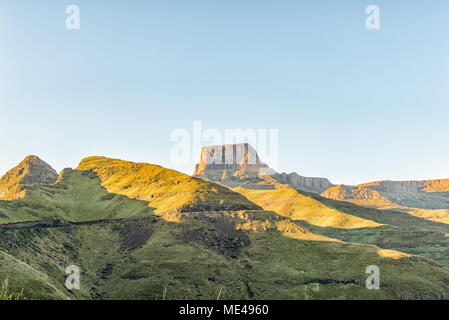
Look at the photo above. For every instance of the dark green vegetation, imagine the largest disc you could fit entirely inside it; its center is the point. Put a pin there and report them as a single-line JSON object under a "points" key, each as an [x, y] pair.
{"points": [[129, 229]]}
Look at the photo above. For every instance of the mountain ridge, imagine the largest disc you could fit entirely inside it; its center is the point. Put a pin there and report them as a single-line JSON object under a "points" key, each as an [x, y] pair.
{"points": [[164, 189], [422, 194]]}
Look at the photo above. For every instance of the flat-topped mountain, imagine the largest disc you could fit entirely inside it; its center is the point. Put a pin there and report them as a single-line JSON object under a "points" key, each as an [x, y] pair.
{"points": [[234, 164], [31, 171], [221, 162]]}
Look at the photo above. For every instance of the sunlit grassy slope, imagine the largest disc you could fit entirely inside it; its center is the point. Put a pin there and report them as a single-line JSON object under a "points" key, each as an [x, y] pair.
{"points": [[388, 217], [433, 215], [399, 231], [164, 189], [300, 206], [431, 202], [78, 195]]}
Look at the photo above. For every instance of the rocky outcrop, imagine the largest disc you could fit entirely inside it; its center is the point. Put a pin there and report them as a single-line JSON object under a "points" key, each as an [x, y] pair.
{"points": [[239, 165], [316, 185], [409, 187], [396, 187], [222, 162], [31, 171], [441, 185], [427, 194], [345, 192]]}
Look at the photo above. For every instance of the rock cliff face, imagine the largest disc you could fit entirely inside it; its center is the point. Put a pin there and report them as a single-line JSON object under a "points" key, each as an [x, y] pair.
{"points": [[345, 192], [427, 194], [316, 185], [222, 162], [400, 187], [414, 187], [31, 171], [238, 164], [441, 185], [395, 187]]}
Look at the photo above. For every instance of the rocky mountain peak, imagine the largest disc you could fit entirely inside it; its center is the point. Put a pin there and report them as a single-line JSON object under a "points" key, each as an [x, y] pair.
{"points": [[31, 171]]}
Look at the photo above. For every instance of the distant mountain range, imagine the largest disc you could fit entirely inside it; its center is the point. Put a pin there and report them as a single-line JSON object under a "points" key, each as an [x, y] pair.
{"points": [[141, 231], [428, 199]]}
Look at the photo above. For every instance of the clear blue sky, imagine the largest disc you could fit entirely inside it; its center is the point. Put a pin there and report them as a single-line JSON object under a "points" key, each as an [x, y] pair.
{"points": [[351, 104]]}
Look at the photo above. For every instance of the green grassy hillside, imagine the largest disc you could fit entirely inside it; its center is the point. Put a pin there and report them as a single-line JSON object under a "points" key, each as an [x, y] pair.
{"points": [[104, 188], [300, 206], [77, 196], [150, 258]]}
